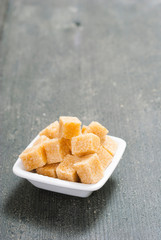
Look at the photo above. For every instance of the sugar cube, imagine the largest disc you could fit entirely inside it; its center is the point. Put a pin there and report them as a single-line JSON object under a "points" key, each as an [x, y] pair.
{"points": [[55, 149], [98, 129], [84, 127], [66, 171], [48, 170], [41, 140], [104, 157], [110, 145], [33, 157], [89, 169], [85, 144], [69, 127], [51, 131], [67, 142]]}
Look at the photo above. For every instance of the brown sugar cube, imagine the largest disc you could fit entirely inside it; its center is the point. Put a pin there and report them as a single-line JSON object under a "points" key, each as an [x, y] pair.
{"points": [[55, 149], [51, 131], [103, 139], [69, 127], [110, 145], [97, 129], [48, 170], [66, 171], [33, 157], [40, 140], [84, 128], [67, 142], [104, 157], [89, 169], [85, 144]]}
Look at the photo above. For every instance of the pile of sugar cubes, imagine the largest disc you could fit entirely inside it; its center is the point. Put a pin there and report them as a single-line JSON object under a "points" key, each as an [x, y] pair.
{"points": [[65, 151]]}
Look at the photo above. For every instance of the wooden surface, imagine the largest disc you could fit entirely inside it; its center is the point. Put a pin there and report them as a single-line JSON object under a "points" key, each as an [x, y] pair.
{"points": [[97, 60]]}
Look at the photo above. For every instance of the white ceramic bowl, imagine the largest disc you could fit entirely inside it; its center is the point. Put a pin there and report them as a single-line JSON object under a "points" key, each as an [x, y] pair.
{"points": [[66, 187]]}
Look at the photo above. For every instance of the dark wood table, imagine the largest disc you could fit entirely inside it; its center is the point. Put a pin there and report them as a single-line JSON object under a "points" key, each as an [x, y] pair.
{"points": [[97, 60]]}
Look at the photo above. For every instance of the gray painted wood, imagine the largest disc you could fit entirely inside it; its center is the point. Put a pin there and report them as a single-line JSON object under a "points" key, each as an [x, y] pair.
{"points": [[97, 60]]}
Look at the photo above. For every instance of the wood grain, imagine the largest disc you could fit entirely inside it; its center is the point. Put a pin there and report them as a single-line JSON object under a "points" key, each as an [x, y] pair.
{"points": [[98, 60]]}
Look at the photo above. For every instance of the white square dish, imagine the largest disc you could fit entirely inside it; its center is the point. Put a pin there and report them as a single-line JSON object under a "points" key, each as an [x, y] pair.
{"points": [[66, 187]]}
